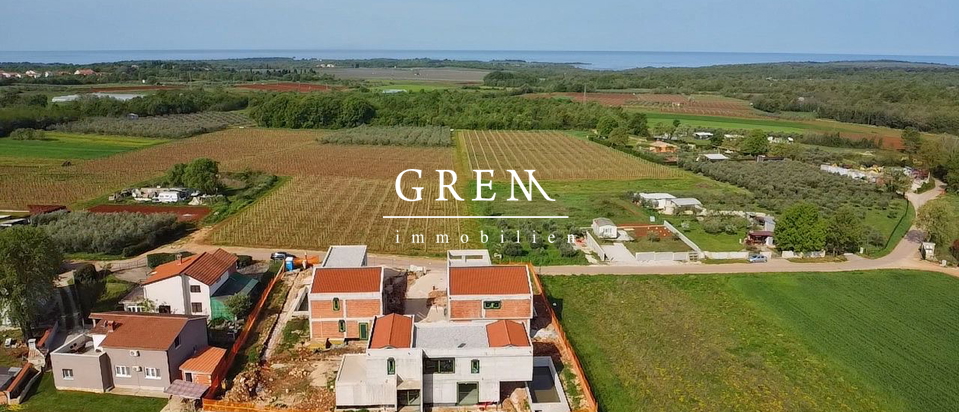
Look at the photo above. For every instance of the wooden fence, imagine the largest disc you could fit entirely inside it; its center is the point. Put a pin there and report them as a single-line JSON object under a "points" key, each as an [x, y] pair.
{"points": [[219, 374], [566, 349]]}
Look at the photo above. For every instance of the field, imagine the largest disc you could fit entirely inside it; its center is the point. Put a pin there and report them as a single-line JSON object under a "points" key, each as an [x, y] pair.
{"points": [[415, 87], [135, 87], [669, 103], [184, 213], [315, 212], [170, 126], [392, 136], [554, 156], [857, 341], [286, 87], [69, 146]]}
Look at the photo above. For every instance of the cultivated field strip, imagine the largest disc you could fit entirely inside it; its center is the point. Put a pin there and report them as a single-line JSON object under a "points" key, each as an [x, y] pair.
{"points": [[555, 156], [316, 212]]}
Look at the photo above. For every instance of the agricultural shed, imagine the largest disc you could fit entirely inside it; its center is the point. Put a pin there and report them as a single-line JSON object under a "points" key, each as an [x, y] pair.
{"points": [[604, 228]]}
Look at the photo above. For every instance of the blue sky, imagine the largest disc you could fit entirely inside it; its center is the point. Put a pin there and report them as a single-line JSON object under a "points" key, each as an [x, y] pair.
{"points": [[915, 27]]}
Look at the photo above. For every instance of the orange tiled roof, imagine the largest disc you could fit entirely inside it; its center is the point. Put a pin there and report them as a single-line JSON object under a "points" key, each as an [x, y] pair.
{"points": [[148, 331], [489, 280], [205, 361], [347, 280], [392, 331], [506, 333], [207, 267]]}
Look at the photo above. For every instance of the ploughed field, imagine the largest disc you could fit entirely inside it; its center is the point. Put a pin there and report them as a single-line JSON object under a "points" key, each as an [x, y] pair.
{"points": [[855, 341], [555, 156]]}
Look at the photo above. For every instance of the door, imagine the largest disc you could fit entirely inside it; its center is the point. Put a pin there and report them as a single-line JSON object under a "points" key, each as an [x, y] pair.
{"points": [[364, 331], [409, 397], [467, 394]]}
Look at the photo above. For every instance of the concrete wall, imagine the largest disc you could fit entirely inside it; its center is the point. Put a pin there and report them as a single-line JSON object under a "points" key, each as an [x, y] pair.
{"points": [[662, 256], [91, 371], [692, 245], [137, 379], [726, 255], [595, 246], [512, 364], [170, 292]]}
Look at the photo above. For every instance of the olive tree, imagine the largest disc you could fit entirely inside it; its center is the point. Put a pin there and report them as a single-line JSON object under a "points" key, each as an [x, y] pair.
{"points": [[29, 266]]}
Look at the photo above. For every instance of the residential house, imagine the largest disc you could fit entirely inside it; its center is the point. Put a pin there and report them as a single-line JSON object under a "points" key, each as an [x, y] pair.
{"points": [[196, 285], [711, 157], [84, 72], [136, 351], [760, 237], [655, 200], [408, 366], [483, 293], [662, 147], [604, 228], [344, 301], [682, 205]]}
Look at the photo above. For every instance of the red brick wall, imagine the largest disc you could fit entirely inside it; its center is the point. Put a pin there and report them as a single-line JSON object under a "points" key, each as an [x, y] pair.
{"points": [[357, 308], [330, 329], [473, 309]]}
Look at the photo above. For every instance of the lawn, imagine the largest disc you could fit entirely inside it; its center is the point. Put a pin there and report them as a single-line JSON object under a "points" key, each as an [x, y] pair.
{"points": [[856, 341], [64, 146], [114, 290], [894, 228], [44, 397]]}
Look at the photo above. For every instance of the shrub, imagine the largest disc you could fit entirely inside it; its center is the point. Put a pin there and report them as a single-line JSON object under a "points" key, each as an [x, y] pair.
{"points": [[512, 249], [28, 134], [567, 250], [652, 236], [239, 305], [243, 261]]}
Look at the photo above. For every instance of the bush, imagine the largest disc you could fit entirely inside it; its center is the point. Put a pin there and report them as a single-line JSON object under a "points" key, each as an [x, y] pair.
{"points": [[157, 259], [652, 236], [239, 305], [243, 261], [28, 134], [512, 249], [567, 250], [954, 249]]}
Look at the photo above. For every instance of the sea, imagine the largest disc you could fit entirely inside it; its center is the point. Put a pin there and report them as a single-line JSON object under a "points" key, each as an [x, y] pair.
{"points": [[599, 60]]}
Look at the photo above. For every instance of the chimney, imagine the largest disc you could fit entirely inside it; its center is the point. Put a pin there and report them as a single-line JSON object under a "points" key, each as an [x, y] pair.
{"points": [[111, 326], [179, 258]]}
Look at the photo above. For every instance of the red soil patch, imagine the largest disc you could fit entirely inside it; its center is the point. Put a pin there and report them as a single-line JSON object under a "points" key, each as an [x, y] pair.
{"points": [[888, 142], [185, 213], [287, 87], [131, 88]]}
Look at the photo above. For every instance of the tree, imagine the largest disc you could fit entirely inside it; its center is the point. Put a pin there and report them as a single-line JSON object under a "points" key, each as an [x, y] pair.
{"points": [[174, 176], [239, 304], [619, 137], [938, 220], [202, 174], [755, 143], [29, 267], [845, 231], [912, 140], [636, 124], [606, 125], [676, 123], [716, 140], [895, 181], [801, 229]]}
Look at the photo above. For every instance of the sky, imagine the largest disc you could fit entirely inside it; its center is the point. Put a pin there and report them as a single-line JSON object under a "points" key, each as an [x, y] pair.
{"points": [[893, 27]]}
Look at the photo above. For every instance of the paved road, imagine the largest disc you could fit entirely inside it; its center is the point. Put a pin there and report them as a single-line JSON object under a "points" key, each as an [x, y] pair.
{"points": [[904, 256]]}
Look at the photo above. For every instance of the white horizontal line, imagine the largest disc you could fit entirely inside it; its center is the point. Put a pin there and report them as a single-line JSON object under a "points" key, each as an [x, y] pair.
{"points": [[475, 217]]}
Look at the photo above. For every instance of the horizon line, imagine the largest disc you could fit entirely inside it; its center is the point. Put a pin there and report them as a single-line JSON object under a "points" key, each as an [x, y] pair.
{"points": [[475, 217]]}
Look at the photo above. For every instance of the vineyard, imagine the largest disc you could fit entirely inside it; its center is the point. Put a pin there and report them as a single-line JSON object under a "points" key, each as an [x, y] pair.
{"points": [[316, 212], [171, 126], [392, 136], [287, 87], [555, 156]]}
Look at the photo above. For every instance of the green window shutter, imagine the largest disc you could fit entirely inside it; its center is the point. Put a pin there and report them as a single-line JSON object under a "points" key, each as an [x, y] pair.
{"points": [[474, 366], [342, 325], [336, 304], [391, 366]]}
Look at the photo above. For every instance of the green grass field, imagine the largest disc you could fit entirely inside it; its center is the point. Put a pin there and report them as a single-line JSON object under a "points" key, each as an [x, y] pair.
{"points": [[856, 341], [63, 146], [416, 87], [44, 397]]}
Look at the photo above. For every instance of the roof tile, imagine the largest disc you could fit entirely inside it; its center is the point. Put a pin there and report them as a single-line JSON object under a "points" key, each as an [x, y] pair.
{"points": [[392, 331], [504, 333], [205, 361], [347, 280], [148, 331], [207, 267], [489, 280]]}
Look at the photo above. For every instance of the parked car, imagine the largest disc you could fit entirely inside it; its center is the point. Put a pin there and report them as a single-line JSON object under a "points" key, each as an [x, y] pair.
{"points": [[281, 255], [758, 259]]}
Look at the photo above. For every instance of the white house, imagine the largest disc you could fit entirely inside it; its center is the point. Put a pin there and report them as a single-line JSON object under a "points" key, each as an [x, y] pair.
{"points": [[682, 205], [703, 135], [191, 286], [655, 200], [409, 365], [604, 228]]}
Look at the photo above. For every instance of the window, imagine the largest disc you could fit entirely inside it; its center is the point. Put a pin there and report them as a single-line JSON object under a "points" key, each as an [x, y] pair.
{"points": [[474, 366], [439, 365], [134, 308], [492, 304], [122, 371], [342, 325], [151, 373], [336, 304], [194, 288], [176, 342], [391, 366], [67, 374], [196, 307]]}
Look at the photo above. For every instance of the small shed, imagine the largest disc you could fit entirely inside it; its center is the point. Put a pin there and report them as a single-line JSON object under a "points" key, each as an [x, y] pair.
{"points": [[655, 200], [760, 237], [662, 147], [682, 205], [605, 228], [712, 157], [703, 135], [928, 250]]}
